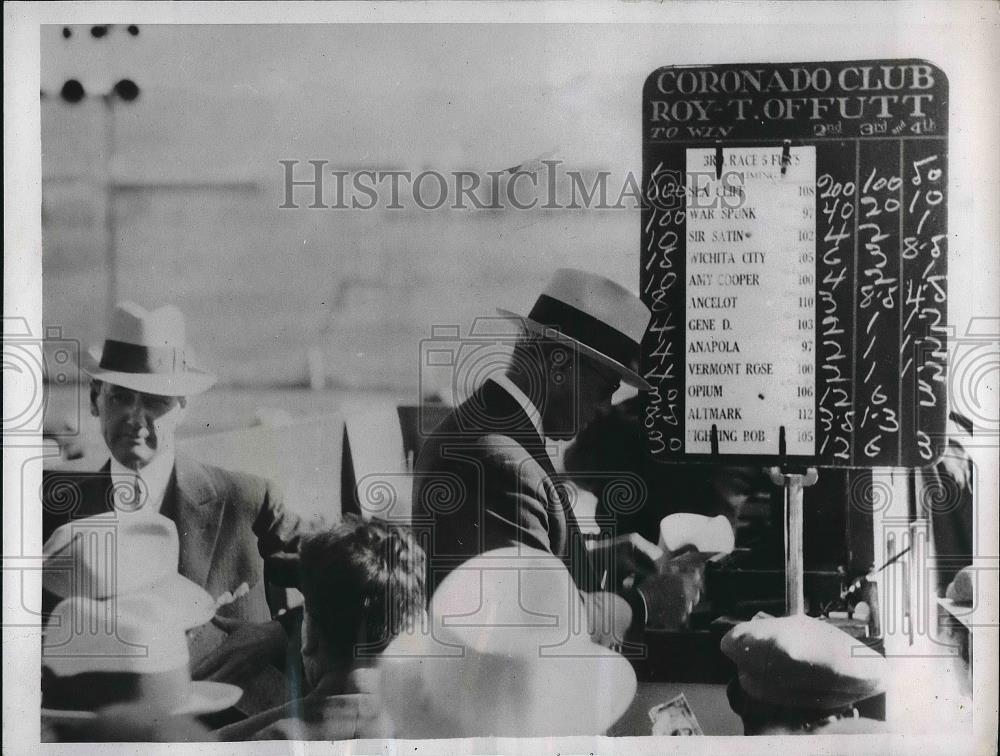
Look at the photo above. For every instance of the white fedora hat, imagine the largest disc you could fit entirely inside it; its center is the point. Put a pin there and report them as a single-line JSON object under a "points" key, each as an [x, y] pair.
{"points": [[603, 320], [146, 351], [109, 556], [95, 654], [507, 654]]}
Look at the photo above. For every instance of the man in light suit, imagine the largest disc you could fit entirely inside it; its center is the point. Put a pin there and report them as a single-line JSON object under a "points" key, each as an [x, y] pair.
{"points": [[233, 528], [484, 479]]}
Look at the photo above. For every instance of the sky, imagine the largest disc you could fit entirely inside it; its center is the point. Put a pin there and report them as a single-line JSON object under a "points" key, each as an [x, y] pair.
{"points": [[232, 100], [449, 95]]}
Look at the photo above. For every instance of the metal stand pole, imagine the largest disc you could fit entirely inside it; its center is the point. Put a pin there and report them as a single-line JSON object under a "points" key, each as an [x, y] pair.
{"points": [[794, 565]]}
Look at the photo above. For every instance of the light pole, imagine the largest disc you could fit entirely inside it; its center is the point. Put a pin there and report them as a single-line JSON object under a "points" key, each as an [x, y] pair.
{"points": [[124, 90]]}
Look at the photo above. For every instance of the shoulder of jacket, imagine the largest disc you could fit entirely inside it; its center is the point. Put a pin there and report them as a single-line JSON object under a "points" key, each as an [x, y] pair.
{"points": [[54, 482], [231, 480]]}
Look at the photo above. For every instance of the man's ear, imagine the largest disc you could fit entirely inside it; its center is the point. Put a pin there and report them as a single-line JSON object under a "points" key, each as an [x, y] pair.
{"points": [[95, 390]]}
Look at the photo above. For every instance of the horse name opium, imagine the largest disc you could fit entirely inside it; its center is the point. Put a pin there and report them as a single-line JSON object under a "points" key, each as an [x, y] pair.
{"points": [[797, 282]]}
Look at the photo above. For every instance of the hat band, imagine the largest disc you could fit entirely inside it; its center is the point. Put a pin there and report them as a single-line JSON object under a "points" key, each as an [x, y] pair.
{"points": [[803, 703], [586, 329], [134, 358], [90, 691]]}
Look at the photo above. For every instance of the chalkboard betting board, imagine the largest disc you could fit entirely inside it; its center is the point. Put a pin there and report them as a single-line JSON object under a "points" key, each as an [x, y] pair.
{"points": [[794, 258]]}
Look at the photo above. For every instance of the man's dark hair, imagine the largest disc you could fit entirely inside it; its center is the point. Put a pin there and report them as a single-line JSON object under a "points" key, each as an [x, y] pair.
{"points": [[363, 582]]}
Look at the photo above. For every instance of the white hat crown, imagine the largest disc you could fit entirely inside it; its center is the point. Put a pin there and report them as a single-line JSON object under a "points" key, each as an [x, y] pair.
{"points": [[127, 650], [136, 554], [84, 635], [134, 324], [146, 350], [506, 643], [107, 555], [600, 298], [603, 320], [509, 600]]}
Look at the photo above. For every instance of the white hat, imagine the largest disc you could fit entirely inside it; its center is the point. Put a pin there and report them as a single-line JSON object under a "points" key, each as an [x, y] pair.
{"points": [[145, 351], [802, 662], [708, 534], [603, 320], [507, 654], [107, 555], [96, 653]]}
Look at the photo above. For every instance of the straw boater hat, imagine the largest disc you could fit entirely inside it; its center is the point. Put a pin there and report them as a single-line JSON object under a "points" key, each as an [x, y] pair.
{"points": [[507, 654], [106, 557], [601, 319], [95, 654], [146, 351]]}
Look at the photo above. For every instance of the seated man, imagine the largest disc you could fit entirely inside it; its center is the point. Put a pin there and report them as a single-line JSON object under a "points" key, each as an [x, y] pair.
{"points": [[231, 525], [363, 584]]}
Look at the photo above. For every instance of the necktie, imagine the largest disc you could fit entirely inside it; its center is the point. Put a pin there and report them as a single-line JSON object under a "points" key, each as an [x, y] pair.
{"points": [[133, 498]]}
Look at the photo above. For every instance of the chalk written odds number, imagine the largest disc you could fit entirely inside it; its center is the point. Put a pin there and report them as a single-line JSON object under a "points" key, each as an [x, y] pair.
{"points": [[796, 266]]}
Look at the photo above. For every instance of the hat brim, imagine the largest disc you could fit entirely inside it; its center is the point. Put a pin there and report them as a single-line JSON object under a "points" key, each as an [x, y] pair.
{"points": [[807, 696], [603, 685], [628, 375], [205, 697], [188, 383], [187, 603]]}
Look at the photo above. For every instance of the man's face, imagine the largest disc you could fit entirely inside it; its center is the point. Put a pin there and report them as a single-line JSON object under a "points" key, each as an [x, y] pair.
{"points": [[136, 426], [579, 389]]}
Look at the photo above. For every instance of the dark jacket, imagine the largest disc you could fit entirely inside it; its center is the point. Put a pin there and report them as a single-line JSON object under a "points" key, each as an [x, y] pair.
{"points": [[483, 481], [228, 524]]}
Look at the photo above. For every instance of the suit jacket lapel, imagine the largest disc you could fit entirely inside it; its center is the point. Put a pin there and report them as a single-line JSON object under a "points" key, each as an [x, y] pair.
{"points": [[97, 495], [510, 415], [192, 503], [502, 413]]}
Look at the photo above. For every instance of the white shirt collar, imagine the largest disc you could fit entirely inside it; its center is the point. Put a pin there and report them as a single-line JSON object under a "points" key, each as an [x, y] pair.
{"points": [[155, 478], [522, 399]]}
